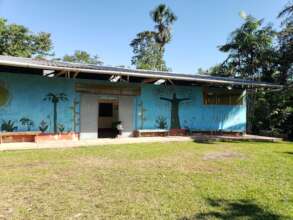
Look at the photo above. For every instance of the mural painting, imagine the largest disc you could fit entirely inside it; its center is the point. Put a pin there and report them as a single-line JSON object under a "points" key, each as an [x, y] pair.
{"points": [[23, 109], [55, 99], [4, 94], [8, 126], [178, 107], [161, 122], [175, 121], [157, 107], [43, 127], [27, 123], [61, 128], [75, 114]]}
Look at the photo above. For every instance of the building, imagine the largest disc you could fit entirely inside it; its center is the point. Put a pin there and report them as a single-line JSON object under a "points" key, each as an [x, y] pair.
{"points": [[40, 95]]}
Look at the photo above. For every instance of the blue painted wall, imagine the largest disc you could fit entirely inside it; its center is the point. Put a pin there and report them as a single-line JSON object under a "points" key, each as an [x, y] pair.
{"points": [[193, 114], [28, 91], [26, 100]]}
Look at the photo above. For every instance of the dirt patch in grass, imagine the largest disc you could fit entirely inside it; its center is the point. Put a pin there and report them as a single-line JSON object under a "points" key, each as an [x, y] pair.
{"points": [[180, 162], [36, 164], [223, 155]]}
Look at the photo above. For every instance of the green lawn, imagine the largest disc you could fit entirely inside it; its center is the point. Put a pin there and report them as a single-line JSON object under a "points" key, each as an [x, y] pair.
{"points": [[149, 181]]}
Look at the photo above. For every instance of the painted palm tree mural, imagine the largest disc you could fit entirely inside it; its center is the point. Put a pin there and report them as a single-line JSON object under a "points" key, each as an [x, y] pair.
{"points": [[175, 121], [55, 99]]}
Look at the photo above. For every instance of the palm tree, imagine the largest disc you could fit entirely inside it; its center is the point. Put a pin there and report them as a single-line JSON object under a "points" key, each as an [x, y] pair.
{"points": [[55, 99], [164, 18], [285, 37], [288, 10]]}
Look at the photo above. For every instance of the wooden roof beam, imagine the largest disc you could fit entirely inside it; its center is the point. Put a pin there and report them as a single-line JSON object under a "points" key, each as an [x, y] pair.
{"points": [[149, 80], [75, 75], [62, 72], [171, 82]]}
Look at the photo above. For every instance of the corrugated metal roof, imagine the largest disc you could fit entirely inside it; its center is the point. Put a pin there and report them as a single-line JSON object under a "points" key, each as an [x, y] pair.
{"points": [[95, 69]]}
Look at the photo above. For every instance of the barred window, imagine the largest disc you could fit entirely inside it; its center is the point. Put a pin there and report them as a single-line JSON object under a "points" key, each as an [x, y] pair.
{"points": [[217, 96]]}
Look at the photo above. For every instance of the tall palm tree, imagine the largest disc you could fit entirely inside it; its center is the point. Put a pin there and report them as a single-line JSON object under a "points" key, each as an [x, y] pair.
{"points": [[288, 10], [164, 19], [55, 99], [285, 37]]}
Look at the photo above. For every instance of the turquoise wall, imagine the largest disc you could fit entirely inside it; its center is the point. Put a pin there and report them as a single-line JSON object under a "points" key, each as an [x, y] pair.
{"points": [[193, 114], [28, 91], [26, 94]]}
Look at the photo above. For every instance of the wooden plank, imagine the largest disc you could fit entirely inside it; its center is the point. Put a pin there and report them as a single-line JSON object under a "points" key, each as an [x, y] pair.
{"points": [[149, 80], [75, 75], [171, 82], [62, 72], [103, 89]]}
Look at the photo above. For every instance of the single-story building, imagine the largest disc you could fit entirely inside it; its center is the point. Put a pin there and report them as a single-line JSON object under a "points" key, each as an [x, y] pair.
{"points": [[89, 101]]}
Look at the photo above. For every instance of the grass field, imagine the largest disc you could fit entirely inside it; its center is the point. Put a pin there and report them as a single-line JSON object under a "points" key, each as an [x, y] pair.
{"points": [[149, 181]]}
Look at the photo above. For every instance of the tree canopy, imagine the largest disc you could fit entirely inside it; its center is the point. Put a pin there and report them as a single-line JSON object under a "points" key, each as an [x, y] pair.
{"points": [[149, 46], [285, 38], [147, 54], [80, 56], [251, 52], [17, 40]]}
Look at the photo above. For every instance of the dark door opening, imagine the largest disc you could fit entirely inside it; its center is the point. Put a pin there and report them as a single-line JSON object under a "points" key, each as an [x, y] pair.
{"points": [[107, 119]]}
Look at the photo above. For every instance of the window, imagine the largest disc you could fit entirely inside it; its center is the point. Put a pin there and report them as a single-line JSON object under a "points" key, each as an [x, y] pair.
{"points": [[105, 109], [219, 96]]}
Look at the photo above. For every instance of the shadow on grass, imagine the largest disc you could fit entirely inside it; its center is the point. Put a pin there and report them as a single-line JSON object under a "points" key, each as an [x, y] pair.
{"points": [[215, 140], [212, 140], [289, 152], [235, 209], [204, 140]]}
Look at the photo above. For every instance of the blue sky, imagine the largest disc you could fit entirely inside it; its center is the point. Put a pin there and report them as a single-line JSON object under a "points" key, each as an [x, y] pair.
{"points": [[106, 27]]}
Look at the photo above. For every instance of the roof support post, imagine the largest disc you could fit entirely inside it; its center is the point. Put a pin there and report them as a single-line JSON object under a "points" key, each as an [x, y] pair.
{"points": [[171, 82], [75, 74]]}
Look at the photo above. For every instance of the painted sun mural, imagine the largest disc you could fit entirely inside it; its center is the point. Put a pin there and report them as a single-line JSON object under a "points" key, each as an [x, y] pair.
{"points": [[4, 94]]}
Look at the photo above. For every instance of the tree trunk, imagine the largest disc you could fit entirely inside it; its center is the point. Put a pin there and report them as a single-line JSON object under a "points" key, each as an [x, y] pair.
{"points": [[250, 102]]}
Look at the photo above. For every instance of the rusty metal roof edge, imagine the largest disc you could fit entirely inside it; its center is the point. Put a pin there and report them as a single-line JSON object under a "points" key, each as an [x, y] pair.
{"points": [[94, 69]]}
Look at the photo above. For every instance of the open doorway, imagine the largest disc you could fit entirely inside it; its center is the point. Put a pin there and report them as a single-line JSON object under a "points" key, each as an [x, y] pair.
{"points": [[107, 119]]}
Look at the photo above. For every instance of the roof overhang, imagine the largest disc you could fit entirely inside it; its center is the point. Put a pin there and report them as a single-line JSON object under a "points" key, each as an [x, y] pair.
{"points": [[61, 68]]}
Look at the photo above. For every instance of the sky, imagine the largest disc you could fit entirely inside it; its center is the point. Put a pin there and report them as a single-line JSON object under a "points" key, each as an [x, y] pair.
{"points": [[106, 27]]}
